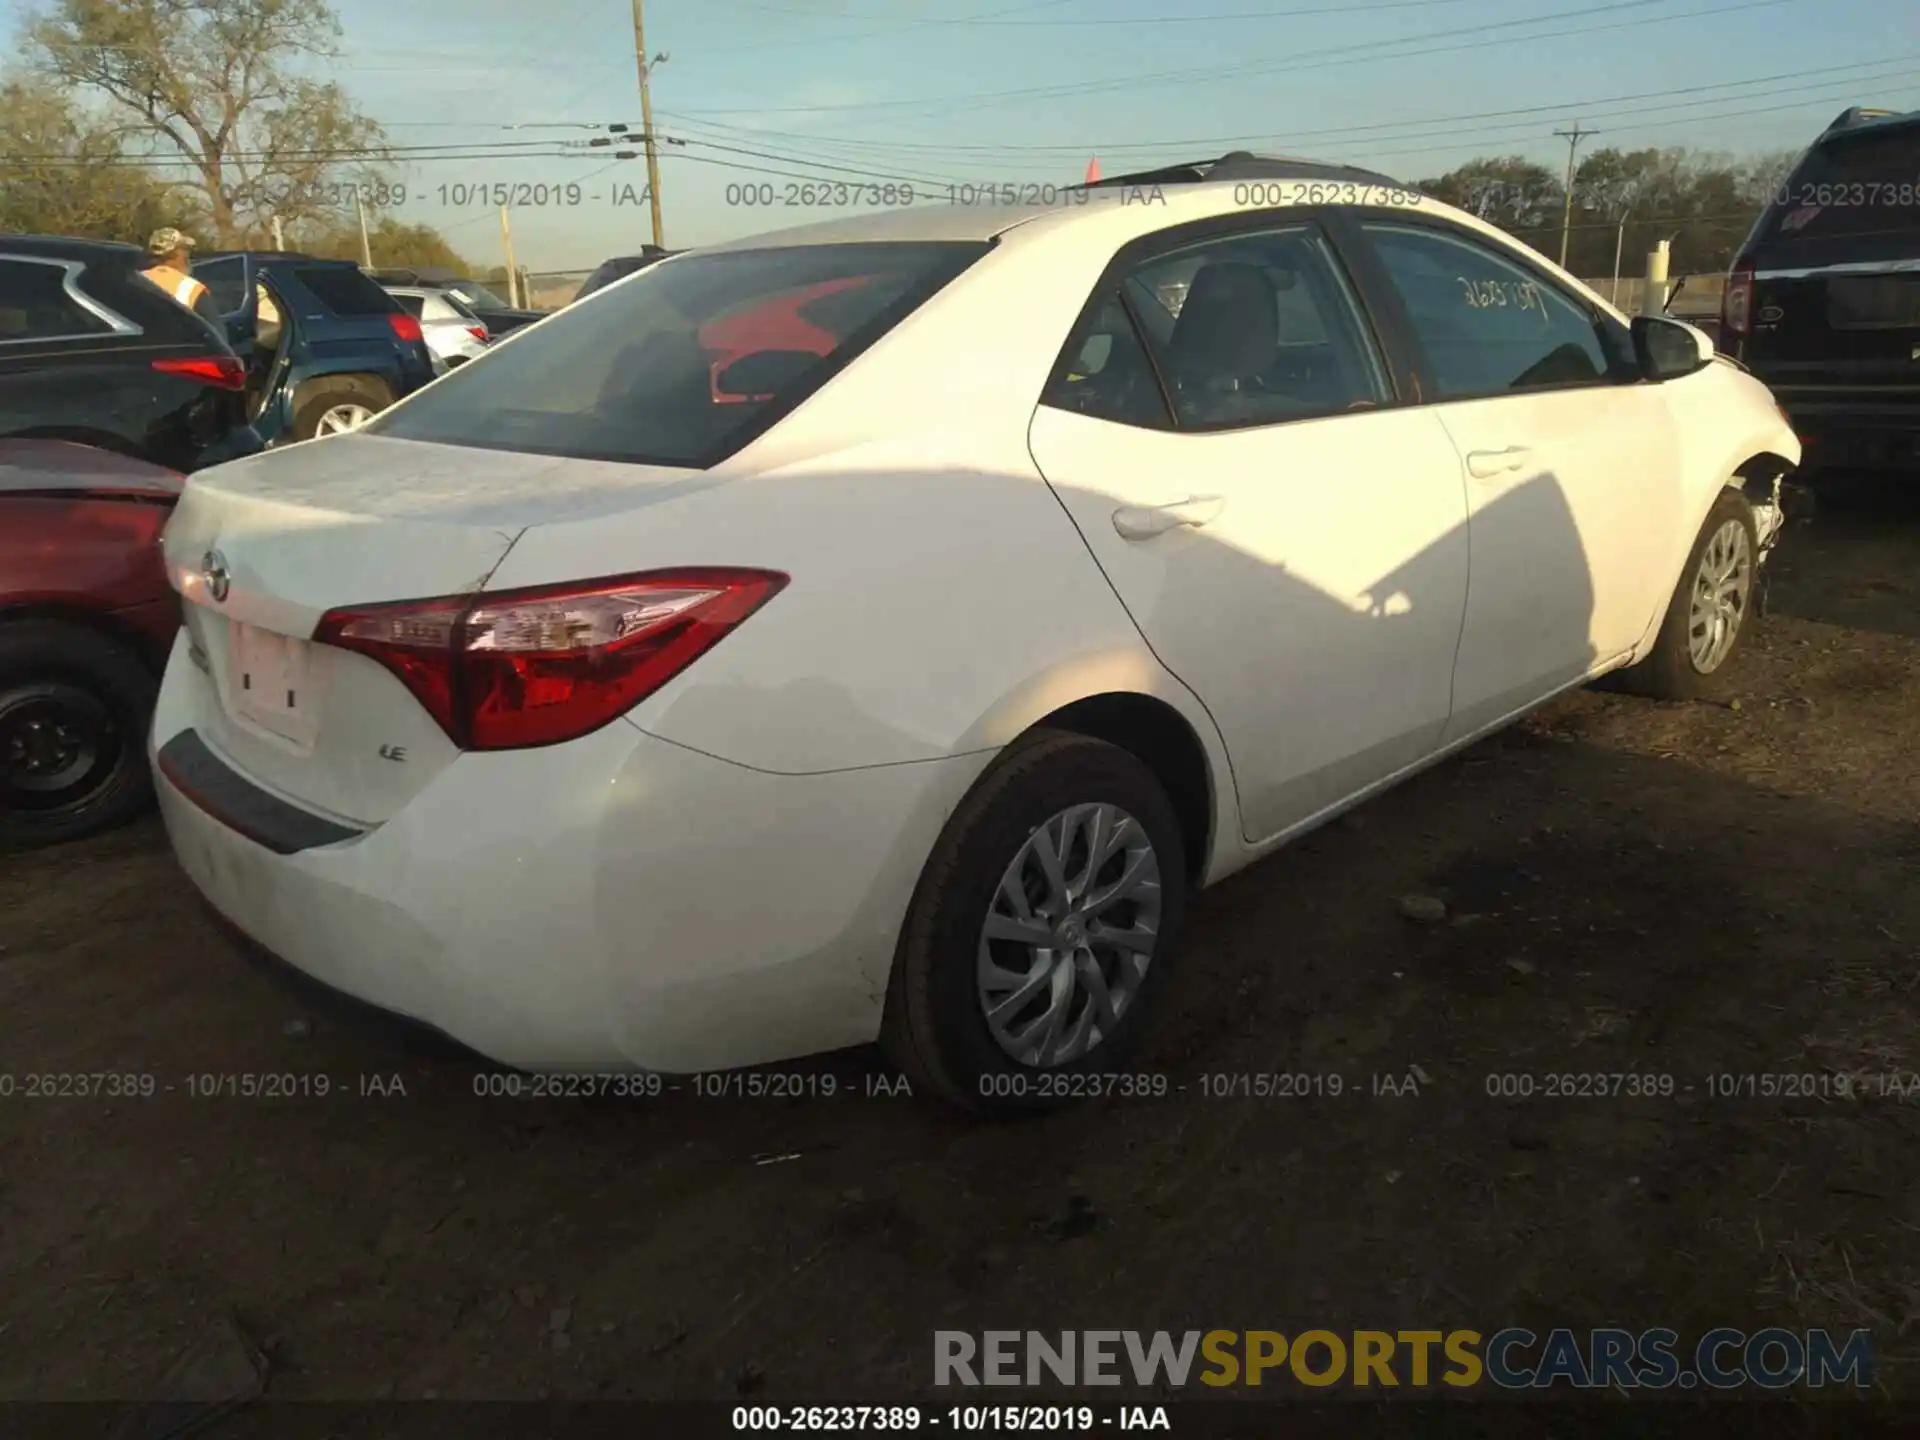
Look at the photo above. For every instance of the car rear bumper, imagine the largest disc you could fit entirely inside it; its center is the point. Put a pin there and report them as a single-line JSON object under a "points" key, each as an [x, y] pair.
{"points": [[615, 902], [1839, 426]]}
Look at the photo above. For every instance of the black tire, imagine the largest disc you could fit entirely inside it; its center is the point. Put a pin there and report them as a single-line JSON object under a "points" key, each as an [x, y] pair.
{"points": [[935, 1029], [338, 390], [74, 710], [1669, 671]]}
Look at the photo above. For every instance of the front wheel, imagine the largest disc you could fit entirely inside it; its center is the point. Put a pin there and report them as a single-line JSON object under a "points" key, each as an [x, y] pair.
{"points": [[1037, 939], [1711, 608]]}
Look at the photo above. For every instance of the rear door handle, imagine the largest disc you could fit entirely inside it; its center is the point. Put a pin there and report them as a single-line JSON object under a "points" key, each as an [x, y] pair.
{"points": [[1143, 522], [1485, 464]]}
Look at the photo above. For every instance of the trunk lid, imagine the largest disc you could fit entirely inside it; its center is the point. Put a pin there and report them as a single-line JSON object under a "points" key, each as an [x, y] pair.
{"points": [[262, 548]]}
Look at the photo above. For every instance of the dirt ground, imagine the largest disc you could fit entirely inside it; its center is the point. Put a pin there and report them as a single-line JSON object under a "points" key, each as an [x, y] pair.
{"points": [[1671, 889]]}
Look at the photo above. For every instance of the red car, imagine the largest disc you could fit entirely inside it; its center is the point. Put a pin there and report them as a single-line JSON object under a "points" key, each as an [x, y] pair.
{"points": [[801, 324], [86, 620]]}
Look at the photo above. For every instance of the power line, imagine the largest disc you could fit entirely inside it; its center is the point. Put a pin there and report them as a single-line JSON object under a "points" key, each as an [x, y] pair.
{"points": [[1299, 59], [1191, 144]]}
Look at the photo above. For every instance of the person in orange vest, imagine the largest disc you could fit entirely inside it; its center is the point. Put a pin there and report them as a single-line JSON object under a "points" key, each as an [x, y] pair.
{"points": [[168, 260]]}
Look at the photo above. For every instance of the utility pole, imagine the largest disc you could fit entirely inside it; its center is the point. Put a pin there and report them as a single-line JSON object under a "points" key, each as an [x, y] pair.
{"points": [[646, 119], [513, 271], [279, 238], [1573, 138], [366, 245]]}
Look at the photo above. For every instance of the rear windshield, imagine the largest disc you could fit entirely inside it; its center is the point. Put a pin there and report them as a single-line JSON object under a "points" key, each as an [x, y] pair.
{"points": [[688, 362], [1863, 186], [344, 290]]}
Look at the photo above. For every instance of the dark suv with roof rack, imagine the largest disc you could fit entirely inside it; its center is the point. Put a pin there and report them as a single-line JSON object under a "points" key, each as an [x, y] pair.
{"points": [[1823, 301]]}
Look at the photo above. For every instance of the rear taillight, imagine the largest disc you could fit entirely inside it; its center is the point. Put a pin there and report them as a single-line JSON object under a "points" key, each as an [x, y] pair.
{"points": [[1736, 306], [405, 326], [479, 332], [222, 370], [535, 667]]}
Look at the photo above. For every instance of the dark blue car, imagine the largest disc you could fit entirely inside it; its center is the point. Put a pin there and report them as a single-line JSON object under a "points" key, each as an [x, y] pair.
{"points": [[326, 348]]}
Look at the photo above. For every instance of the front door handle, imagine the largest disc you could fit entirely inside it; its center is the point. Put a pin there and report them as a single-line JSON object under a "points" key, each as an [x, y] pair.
{"points": [[1143, 522], [1485, 464]]}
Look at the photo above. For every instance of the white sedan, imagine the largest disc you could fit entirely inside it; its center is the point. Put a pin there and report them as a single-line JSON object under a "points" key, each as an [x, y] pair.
{"points": [[880, 629]]}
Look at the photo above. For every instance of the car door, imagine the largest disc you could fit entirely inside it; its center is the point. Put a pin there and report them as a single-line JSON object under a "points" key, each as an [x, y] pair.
{"points": [[1572, 460], [1290, 539], [71, 365], [230, 281]]}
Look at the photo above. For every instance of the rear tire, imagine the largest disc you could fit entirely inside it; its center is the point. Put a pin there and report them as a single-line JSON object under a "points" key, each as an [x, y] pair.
{"points": [[337, 397], [74, 710], [1691, 658], [1062, 795]]}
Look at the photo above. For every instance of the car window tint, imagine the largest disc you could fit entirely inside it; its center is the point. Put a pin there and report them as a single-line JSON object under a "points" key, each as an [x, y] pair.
{"points": [[344, 290], [1488, 325], [1106, 372], [35, 304], [678, 367], [1256, 330], [226, 282], [412, 304], [1865, 184]]}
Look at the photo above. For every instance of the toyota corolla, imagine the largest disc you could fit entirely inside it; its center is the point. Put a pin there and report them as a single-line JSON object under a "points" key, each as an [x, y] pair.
{"points": [[604, 709]]}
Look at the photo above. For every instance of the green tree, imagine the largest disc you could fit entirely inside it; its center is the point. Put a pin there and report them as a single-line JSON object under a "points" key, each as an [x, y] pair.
{"points": [[213, 81], [1508, 190], [394, 245], [63, 172]]}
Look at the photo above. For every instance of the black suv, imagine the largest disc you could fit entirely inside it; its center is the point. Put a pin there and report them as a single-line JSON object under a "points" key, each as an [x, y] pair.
{"points": [[1823, 301], [92, 351], [618, 268]]}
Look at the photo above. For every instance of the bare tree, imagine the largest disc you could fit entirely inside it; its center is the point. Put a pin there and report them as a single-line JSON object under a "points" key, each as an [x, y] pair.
{"points": [[217, 81]]}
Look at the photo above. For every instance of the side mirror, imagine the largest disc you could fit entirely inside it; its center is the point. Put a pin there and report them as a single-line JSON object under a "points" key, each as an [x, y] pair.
{"points": [[1669, 349], [765, 372]]}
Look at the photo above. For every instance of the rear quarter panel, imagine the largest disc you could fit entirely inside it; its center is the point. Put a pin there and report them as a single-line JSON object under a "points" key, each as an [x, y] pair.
{"points": [[91, 555]]}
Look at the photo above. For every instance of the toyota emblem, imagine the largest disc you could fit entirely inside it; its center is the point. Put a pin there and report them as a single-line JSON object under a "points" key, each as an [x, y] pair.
{"points": [[213, 570]]}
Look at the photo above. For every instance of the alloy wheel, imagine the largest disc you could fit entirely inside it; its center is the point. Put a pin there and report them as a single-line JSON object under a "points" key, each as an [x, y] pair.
{"points": [[1070, 935], [342, 418], [1722, 586]]}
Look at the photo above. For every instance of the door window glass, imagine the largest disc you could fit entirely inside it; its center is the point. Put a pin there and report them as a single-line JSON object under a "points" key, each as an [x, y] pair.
{"points": [[226, 282], [1488, 325], [1107, 373], [1256, 330]]}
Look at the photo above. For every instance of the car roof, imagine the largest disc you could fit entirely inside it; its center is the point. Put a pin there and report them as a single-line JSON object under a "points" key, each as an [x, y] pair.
{"points": [[68, 247], [275, 257], [983, 222]]}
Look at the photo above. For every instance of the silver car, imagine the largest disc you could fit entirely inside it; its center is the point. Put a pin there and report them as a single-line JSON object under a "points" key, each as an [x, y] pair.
{"points": [[453, 332]]}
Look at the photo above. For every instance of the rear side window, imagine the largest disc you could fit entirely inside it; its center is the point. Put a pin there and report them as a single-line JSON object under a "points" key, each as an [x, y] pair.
{"points": [[35, 304], [690, 361], [412, 304], [343, 290], [1867, 185]]}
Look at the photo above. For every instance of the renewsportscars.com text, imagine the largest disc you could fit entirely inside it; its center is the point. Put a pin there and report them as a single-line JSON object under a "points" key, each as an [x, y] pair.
{"points": [[1507, 1359]]}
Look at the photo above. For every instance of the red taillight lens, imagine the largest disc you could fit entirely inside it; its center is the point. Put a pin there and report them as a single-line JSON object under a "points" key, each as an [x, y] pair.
{"points": [[222, 370], [479, 332], [535, 667], [1736, 306], [405, 326]]}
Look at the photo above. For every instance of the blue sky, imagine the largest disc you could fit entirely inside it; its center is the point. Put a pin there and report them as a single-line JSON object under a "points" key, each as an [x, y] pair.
{"points": [[930, 92]]}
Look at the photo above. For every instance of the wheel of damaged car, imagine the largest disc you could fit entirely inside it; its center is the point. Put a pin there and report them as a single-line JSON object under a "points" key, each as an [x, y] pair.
{"points": [[341, 408], [1710, 611], [74, 707], [1037, 940]]}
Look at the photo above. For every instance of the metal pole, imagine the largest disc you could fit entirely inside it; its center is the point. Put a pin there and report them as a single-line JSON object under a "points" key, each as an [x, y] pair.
{"points": [[646, 119], [366, 245], [1573, 138], [279, 238], [513, 273], [1619, 243], [1653, 296]]}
